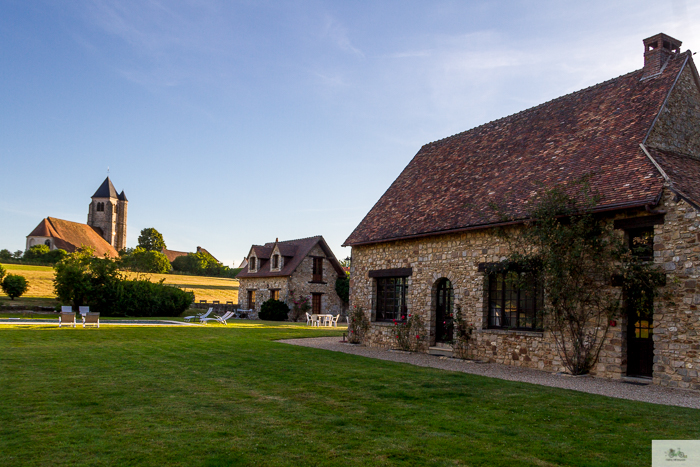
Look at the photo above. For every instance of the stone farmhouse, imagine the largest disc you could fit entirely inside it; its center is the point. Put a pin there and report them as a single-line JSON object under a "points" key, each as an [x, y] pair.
{"points": [[105, 230], [422, 248], [301, 268]]}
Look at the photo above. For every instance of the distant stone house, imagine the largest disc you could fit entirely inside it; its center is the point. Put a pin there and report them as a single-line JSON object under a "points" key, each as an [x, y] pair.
{"points": [[294, 268], [422, 248], [173, 254]]}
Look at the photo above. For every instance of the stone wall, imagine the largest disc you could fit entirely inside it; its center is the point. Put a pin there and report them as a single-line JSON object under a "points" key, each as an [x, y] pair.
{"points": [[457, 256], [678, 126], [299, 283], [677, 319]]}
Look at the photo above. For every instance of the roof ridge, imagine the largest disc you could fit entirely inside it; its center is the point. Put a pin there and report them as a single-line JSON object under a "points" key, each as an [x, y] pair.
{"points": [[529, 109]]}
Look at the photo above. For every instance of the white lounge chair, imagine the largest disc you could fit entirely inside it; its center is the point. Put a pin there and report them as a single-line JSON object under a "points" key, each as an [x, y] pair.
{"points": [[334, 320], [198, 316], [66, 317], [91, 318]]}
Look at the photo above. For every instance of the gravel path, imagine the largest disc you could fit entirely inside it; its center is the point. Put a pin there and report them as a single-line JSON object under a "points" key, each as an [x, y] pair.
{"points": [[605, 387]]}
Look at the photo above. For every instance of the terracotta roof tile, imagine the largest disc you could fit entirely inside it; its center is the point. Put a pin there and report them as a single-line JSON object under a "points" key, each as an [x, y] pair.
{"points": [[70, 236], [684, 172], [451, 184]]}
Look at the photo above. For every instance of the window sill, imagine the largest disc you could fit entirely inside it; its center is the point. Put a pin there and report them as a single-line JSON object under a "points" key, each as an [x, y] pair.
{"points": [[384, 323], [318, 282], [517, 332]]}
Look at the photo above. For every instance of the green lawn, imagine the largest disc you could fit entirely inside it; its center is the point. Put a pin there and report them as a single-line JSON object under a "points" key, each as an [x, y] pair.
{"points": [[230, 395]]}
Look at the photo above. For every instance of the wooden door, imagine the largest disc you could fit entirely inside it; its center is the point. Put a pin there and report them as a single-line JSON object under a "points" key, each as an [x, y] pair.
{"points": [[444, 327]]}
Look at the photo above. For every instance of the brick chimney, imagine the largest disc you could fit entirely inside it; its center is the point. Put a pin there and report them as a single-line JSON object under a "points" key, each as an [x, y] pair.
{"points": [[657, 50]]}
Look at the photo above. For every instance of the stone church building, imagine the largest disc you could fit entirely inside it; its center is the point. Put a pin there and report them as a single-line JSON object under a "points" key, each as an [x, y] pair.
{"points": [[105, 230], [423, 246]]}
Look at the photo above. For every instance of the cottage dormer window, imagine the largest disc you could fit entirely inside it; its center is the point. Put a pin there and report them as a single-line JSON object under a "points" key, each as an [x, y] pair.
{"points": [[275, 261], [251, 263]]}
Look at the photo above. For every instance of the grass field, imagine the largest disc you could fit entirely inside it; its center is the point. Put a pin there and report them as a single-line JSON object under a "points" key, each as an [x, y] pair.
{"points": [[221, 396], [41, 285]]}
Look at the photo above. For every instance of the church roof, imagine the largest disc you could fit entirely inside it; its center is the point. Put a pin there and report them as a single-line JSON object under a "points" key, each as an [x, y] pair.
{"points": [[122, 196], [453, 184], [106, 190], [71, 236]]}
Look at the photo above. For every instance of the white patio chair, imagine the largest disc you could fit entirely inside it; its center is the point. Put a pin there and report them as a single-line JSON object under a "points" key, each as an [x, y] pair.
{"points": [[309, 319], [199, 316], [334, 320]]}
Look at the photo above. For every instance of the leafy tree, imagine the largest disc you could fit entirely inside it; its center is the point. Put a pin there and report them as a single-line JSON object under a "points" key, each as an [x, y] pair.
{"points": [[342, 288], [151, 240], [14, 285], [273, 310], [18, 254], [36, 252], [81, 277], [43, 254], [142, 260], [2, 272], [202, 264], [5, 254], [574, 255]]}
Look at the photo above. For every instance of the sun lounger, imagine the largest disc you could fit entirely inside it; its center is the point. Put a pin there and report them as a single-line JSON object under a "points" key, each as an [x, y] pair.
{"points": [[199, 316], [220, 319], [66, 317], [91, 318]]}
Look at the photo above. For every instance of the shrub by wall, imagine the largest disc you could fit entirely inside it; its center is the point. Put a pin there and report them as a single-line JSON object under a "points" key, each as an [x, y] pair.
{"points": [[273, 310]]}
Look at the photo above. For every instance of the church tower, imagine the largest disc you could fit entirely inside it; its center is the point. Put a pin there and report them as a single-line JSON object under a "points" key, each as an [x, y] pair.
{"points": [[107, 214]]}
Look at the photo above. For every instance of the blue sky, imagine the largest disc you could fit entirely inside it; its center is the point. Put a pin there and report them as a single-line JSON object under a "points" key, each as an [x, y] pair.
{"points": [[232, 123]]}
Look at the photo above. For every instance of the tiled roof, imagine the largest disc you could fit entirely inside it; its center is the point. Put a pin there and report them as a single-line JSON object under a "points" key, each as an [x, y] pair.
{"points": [[300, 248], [453, 184], [70, 236], [172, 254], [684, 172]]}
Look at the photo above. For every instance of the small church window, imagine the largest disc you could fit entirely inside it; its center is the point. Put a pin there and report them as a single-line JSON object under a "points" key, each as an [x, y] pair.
{"points": [[48, 243], [100, 207]]}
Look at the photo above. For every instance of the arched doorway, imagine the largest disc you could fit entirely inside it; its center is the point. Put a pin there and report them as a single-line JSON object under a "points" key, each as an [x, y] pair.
{"points": [[444, 318]]}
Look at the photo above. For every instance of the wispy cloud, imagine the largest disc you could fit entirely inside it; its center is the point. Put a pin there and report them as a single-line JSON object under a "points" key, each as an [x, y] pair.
{"points": [[338, 34]]}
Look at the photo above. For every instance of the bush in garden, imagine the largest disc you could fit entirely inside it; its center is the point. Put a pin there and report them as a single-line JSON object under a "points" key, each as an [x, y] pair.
{"points": [[82, 279], [358, 326], [14, 285], [410, 333], [273, 310], [2, 273]]}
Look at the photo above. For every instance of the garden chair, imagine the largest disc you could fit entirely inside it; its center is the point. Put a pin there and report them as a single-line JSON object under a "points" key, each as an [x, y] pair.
{"points": [[221, 319], [309, 319], [83, 310], [66, 317], [91, 318], [198, 316], [334, 320]]}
